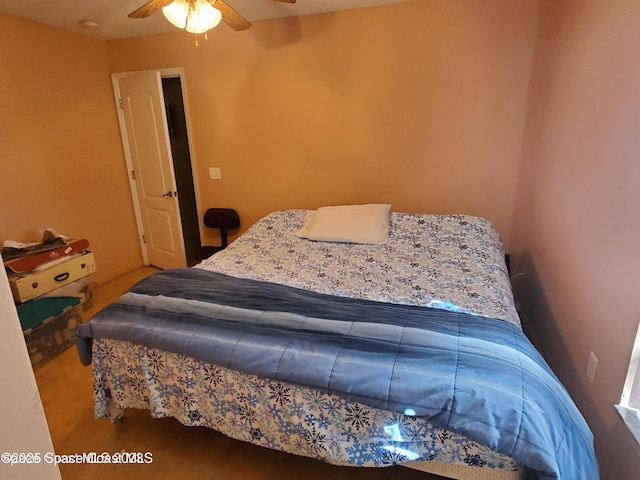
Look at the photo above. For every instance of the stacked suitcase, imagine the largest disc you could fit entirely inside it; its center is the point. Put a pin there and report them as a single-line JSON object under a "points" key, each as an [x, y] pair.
{"points": [[50, 288]]}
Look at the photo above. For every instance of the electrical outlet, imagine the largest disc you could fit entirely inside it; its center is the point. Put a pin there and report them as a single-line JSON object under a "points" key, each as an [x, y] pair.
{"points": [[214, 173], [591, 366]]}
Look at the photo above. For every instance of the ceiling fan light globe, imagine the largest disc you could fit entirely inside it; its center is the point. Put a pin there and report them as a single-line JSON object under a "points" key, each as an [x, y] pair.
{"points": [[202, 17], [177, 12]]}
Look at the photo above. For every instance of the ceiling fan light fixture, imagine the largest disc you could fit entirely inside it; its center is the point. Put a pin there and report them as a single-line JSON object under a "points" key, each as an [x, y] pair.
{"points": [[202, 17], [176, 12], [196, 16]]}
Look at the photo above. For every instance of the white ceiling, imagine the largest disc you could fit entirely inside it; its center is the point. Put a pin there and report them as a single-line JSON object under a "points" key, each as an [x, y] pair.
{"points": [[114, 23]]}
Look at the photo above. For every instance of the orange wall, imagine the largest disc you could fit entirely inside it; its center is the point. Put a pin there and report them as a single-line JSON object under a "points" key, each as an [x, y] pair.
{"points": [[576, 224], [418, 104], [61, 158]]}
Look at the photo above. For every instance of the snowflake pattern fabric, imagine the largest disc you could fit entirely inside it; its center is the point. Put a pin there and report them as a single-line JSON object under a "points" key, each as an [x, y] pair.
{"points": [[270, 413], [455, 262]]}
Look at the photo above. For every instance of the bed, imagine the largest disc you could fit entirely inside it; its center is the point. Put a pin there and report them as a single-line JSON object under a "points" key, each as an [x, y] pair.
{"points": [[405, 352]]}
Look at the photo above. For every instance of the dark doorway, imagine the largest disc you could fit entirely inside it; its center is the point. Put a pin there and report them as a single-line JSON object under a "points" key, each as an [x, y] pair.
{"points": [[176, 121]]}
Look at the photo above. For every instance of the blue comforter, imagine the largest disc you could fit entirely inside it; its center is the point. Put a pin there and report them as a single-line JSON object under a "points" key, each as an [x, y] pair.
{"points": [[477, 376]]}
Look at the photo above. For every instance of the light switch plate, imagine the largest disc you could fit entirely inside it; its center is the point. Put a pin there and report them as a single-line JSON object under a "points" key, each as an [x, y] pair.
{"points": [[214, 173]]}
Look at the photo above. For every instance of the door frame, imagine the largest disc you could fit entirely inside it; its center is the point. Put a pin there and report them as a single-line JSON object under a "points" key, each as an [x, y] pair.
{"points": [[177, 72]]}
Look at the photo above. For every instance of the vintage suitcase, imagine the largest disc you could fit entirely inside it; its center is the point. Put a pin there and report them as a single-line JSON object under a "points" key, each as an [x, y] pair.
{"points": [[28, 286], [49, 326]]}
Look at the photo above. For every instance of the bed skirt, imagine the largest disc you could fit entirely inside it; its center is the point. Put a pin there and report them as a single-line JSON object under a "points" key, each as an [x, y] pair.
{"points": [[282, 416]]}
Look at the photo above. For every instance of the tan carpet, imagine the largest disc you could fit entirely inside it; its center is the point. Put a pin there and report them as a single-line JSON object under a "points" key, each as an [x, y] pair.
{"points": [[178, 452]]}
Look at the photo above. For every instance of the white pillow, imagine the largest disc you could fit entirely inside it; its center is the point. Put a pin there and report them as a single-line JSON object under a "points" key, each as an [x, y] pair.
{"points": [[368, 224]]}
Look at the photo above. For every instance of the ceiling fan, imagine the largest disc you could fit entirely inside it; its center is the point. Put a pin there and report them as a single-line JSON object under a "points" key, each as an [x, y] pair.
{"points": [[229, 15]]}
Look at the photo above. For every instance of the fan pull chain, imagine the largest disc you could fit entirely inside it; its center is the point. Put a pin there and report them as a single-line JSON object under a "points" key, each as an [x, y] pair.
{"points": [[196, 35]]}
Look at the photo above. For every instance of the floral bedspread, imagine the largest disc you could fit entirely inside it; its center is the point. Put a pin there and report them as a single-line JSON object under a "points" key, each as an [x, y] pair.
{"points": [[455, 262]]}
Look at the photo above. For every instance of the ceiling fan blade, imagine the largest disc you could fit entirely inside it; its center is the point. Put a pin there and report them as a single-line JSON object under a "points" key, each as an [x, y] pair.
{"points": [[285, 1], [149, 8], [231, 17]]}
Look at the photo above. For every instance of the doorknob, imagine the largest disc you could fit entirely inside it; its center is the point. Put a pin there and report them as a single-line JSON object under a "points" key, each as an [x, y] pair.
{"points": [[168, 194]]}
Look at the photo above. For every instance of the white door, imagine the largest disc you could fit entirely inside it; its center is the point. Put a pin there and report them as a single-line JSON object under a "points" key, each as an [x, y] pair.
{"points": [[150, 153]]}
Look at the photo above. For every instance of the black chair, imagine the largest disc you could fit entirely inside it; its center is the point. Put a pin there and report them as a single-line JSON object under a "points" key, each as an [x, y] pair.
{"points": [[223, 219]]}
